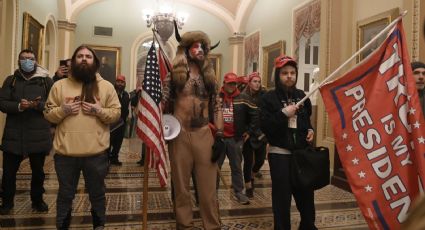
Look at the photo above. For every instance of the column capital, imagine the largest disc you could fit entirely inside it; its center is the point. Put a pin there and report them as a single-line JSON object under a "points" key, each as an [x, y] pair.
{"points": [[65, 25]]}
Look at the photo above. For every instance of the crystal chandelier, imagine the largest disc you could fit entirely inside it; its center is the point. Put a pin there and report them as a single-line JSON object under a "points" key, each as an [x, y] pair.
{"points": [[163, 20]]}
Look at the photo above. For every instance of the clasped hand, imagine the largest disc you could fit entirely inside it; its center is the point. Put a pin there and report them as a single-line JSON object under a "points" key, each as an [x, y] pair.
{"points": [[26, 104], [291, 110], [73, 108]]}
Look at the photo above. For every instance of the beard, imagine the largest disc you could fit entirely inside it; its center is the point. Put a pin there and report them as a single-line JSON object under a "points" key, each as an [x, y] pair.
{"points": [[198, 61], [289, 89], [84, 72], [285, 89], [119, 88]]}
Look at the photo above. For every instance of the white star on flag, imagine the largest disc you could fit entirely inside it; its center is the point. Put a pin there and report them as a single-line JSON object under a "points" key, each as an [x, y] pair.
{"points": [[368, 188], [355, 161], [349, 148], [412, 111], [408, 97], [344, 136], [417, 124], [362, 174], [421, 140]]}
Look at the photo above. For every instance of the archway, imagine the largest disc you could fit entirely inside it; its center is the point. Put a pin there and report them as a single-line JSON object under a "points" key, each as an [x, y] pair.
{"points": [[49, 60]]}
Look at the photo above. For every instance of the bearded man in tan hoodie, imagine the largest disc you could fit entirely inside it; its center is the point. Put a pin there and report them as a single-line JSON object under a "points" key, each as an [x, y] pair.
{"points": [[82, 105]]}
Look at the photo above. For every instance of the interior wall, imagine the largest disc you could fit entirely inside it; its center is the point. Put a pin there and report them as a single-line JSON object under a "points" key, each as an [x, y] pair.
{"points": [[7, 43], [127, 29], [421, 31], [338, 43], [379, 6], [40, 10], [274, 20]]}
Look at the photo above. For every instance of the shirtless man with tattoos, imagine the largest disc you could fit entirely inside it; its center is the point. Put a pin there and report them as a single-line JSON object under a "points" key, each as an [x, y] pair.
{"points": [[192, 98]]}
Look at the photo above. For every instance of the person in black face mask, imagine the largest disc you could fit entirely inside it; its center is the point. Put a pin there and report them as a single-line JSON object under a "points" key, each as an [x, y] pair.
{"points": [[26, 132], [287, 127], [118, 128]]}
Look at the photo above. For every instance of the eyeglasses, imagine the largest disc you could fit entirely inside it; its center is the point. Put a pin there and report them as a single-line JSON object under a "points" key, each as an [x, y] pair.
{"points": [[417, 72]]}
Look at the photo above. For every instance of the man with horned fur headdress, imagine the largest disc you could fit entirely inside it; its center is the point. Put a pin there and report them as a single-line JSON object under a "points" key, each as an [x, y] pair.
{"points": [[192, 99]]}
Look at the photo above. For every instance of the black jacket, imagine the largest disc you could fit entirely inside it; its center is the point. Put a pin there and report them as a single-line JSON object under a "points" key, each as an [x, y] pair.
{"points": [[274, 123], [124, 101], [27, 131], [257, 138]]}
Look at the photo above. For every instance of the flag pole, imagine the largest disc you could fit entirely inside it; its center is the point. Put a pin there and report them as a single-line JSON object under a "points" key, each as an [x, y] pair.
{"points": [[145, 187], [160, 45], [333, 74]]}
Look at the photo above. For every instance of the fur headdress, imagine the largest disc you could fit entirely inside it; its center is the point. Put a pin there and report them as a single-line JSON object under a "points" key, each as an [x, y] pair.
{"points": [[180, 62]]}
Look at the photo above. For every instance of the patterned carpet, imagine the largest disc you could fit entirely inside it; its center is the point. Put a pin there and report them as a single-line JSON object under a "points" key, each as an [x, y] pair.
{"points": [[335, 208]]}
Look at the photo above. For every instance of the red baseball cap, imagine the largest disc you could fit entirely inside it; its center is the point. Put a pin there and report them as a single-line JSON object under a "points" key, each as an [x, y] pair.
{"points": [[283, 60], [230, 77], [252, 75], [242, 79], [121, 78]]}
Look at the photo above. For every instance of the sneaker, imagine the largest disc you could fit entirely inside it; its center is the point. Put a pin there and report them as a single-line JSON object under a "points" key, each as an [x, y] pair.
{"points": [[40, 206], [242, 198], [5, 209], [250, 193], [259, 175]]}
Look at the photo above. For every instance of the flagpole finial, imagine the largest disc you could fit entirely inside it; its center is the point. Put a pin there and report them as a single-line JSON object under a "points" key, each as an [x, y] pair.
{"points": [[403, 13]]}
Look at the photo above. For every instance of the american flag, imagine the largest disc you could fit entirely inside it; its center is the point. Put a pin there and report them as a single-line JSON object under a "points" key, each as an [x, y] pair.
{"points": [[149, 118]]}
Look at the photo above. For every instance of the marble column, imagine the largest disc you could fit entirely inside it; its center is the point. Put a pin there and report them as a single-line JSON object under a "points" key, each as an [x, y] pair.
{"points": [[66, 39], [236, 47]]}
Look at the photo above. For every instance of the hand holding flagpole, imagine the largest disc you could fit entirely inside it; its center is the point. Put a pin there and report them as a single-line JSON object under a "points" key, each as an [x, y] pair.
{"points": [[334, 73]]}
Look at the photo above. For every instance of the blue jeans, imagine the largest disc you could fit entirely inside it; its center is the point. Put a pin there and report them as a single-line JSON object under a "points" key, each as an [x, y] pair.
{"points": [[233, 150]]}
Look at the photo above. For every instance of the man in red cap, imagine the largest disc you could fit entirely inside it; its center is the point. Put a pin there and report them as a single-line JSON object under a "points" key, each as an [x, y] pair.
{"points": [[287, 127], [118, 128], [254, 150], [237, 129]]}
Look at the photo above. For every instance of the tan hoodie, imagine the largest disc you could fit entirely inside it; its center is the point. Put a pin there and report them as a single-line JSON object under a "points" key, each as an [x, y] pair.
{"points": [[81, 135]]}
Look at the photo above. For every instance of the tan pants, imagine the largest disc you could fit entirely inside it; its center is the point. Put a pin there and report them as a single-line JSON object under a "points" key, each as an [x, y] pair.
{"points": [[192, 151]]}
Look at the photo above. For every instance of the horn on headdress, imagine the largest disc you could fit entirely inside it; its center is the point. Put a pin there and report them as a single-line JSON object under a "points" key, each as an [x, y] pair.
{"points": [[176, 32], [215, 46]]}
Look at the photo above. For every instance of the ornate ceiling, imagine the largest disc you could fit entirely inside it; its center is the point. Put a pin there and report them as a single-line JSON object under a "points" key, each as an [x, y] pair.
{"points": [[231, 12]]}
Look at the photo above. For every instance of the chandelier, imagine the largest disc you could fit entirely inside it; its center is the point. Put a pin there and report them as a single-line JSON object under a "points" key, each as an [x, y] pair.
{"points": [[163, 20]]}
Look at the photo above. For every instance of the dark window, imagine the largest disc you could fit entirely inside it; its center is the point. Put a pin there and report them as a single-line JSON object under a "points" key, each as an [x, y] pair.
{"points": [[307, 55], [315, 55], [306, 81]]}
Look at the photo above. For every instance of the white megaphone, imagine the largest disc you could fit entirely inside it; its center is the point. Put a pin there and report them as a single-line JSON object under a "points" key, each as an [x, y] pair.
{"points": [[170, 126]]}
